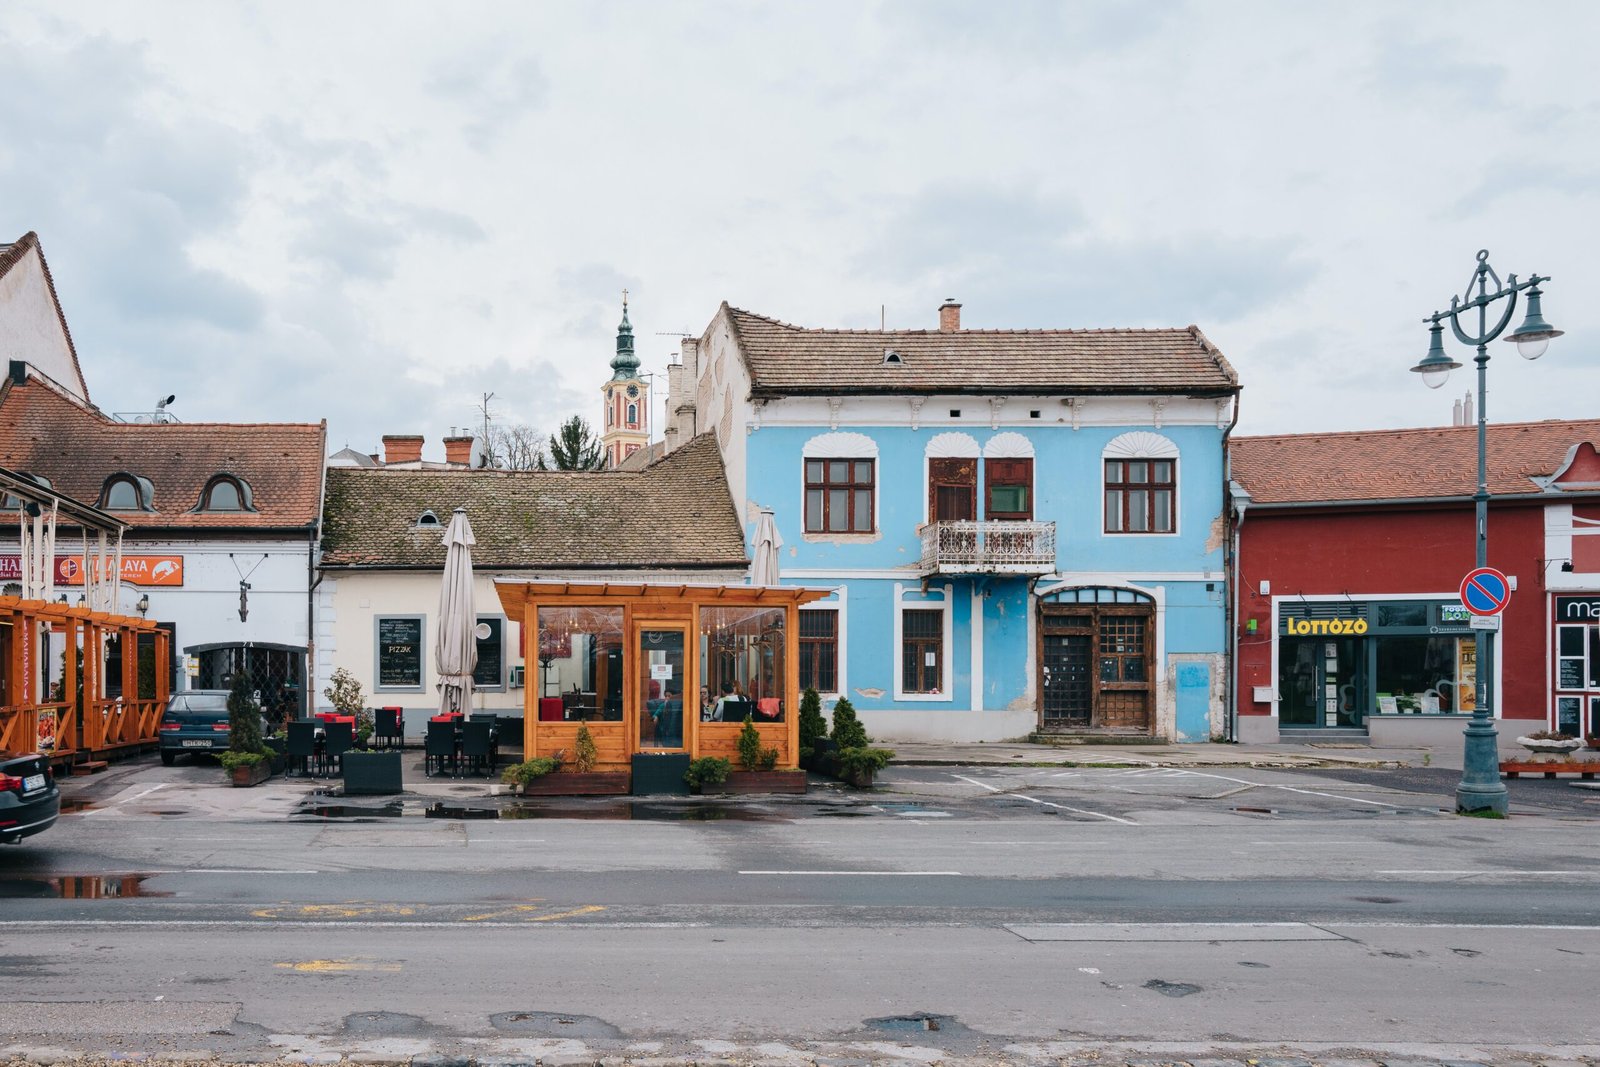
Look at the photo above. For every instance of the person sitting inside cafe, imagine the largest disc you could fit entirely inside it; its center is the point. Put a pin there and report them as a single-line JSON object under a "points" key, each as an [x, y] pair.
{"points": [[731, 706]]}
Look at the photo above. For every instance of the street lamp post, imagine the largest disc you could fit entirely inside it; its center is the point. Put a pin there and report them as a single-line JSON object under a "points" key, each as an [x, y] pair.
{"points": [[1480, 788]]}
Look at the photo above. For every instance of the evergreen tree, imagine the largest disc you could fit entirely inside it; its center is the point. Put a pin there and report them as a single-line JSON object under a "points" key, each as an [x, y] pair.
{"points": [[574, 447], [812, 724], [244, 717], [847, 729]]}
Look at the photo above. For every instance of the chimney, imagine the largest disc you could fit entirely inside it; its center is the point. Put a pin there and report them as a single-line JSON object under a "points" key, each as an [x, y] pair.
{"points": [[1467, 418], [401, 448], [458, 451], [1455, 414], [949, 315]]}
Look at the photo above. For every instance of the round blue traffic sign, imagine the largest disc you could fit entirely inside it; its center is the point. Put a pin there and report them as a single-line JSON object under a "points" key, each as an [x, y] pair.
{"points": [[1485, 591]]}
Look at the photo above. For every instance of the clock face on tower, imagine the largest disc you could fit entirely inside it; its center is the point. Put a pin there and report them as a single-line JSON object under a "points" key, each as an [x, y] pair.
{"points": [[633, 390]]}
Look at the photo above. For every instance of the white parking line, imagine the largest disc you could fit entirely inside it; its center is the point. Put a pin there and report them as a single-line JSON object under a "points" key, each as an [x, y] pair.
{"points": [[1292, 789], [875, 874], [125, 800], [1045, 803]]}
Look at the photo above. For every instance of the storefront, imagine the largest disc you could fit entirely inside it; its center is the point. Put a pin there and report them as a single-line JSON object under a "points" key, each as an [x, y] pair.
{"points": [[1341, 661], [1576, 669], [660, 668]]}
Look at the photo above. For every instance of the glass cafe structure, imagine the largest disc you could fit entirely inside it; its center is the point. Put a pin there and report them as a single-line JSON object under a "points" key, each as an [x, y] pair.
{"points": [[659, 669]]}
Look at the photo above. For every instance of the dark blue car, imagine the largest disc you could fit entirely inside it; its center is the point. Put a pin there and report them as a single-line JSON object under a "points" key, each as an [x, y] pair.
{"points": [[29, 798], [195, 720]]}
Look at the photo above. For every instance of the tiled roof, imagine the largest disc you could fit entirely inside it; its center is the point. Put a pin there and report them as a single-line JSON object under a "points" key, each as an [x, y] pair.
{"points": [[10, 256], [42, 431], [676, 513], [1403, 464], [639, 460], [787, 360]]}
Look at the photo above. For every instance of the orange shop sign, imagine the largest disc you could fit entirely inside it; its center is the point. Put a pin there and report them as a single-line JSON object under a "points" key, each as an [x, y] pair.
{"points": [[136, 570]]}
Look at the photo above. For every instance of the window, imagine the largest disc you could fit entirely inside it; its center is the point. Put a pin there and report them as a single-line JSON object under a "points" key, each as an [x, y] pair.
{"points": [[226, 494], [952, 490], [839, 496], [427, 518], [633, 414], [741, 664], [1140, 495], [580, 664], [1009, 487], [124, 492], [1578, 657], [921, 651], [489, 673], [819, 650]]}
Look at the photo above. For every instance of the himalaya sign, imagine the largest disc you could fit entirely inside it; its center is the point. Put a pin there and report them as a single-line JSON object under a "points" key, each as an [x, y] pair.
{"points": [[1578, 609]]}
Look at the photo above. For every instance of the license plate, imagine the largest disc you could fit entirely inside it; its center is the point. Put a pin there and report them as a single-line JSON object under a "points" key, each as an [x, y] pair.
{"points": [[203, 743], [33, 783]]}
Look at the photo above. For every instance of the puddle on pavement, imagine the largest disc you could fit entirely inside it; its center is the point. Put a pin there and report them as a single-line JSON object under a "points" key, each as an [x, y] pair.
{"points": [[640, 811], [79, 887], [554, 1024], [359, 812], [458, 811], [919, 1022], [74, 807]]}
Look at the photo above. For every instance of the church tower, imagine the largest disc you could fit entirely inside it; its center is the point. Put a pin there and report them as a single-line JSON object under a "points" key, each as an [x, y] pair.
{"points": [[627, 400]]}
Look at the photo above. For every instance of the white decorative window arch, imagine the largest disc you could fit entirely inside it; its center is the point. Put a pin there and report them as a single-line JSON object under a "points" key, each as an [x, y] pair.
{"points": [[1140, 444], [1008, 445], [841, 445], [952, 446], [839, 499]]}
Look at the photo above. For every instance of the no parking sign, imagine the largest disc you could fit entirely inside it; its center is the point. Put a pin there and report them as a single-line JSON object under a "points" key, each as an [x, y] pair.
{"points": [[1485, 591]]}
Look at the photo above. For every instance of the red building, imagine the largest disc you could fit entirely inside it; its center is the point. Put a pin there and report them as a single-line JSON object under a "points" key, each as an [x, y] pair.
{"points": [[1349, 552]]}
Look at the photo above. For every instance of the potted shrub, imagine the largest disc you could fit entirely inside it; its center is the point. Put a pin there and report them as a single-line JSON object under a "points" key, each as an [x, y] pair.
{"points": [[758, 771], [521, 775], [708, 772], [247, 761], [858, 765], [813, 727]]}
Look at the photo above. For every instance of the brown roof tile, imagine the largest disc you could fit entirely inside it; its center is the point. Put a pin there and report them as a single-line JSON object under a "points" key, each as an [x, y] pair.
{"points": [[676, 513], [43, 431], [787, 360], [1403, 464]]}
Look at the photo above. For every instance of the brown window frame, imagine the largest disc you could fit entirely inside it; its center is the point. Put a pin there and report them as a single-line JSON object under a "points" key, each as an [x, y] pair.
{"points": [[811, 646], [992, 479], [929, 679], [961, 475], [851, 487], [1117, 477]]}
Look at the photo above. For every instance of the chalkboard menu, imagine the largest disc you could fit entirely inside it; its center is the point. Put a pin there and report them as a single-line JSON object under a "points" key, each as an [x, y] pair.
{"points": [[400, 652], [490, 671], [1571, 674]]}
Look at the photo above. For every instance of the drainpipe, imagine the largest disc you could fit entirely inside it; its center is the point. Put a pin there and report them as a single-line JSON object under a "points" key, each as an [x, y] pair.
{"points": [[1230, 571], [313, 579]]}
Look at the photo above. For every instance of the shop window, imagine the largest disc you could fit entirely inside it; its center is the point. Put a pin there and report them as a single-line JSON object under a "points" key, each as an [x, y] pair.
{"points": [[1405, 613], [580, 664], [1571, 661], [1140, 495], [1122, 656], [1426, 674], [742, 664], [819, 649], [921, 651], [1009, 488], [839, 495]]}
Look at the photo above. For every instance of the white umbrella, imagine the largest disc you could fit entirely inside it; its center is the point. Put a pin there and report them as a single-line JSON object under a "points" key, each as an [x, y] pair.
{"points": [[764, 565], [455, 646]]}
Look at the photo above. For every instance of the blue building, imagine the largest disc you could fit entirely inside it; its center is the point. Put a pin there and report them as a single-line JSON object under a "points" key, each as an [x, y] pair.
{"points": [[1024, 528]]}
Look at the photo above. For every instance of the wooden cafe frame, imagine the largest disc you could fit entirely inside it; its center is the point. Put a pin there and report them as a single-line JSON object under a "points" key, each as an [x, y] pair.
{"points": [[649, 607], [66, 710]]}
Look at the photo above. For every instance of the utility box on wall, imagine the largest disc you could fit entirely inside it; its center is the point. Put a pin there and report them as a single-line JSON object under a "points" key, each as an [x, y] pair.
{"points": [[1262, 694]]}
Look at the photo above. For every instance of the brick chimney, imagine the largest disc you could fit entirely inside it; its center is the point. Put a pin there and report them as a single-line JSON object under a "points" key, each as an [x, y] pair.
{"points": [[458, 451], [402, 448], [949, 315]]}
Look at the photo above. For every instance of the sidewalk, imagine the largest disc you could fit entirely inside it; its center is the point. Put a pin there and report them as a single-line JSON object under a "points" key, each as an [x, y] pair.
{"points": [[1199, 754]]}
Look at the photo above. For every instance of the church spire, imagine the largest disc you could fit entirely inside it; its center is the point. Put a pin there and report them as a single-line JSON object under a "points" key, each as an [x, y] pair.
{"points": [[626, 365]]}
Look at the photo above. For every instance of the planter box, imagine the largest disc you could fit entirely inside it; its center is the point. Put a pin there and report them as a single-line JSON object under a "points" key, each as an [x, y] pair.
{"points": [[371, 773], [660, 774], [861, 779], [250, 774], [575, 784], [1585, 769], [763, 782]]}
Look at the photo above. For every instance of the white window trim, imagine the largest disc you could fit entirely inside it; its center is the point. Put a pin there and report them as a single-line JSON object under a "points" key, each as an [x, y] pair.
{"points": [[1011, 445], [422, 654], [948, 445], [1143, 444], [841, 659], [843, 445], [946, 656]]}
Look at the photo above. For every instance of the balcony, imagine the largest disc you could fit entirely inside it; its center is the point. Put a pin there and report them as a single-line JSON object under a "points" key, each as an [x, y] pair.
{"points": [[996, 547]]}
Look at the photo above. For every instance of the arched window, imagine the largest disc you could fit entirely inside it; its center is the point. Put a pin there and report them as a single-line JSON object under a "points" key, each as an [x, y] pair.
{"points": [[633, 414], [226, 493], [427, 518], [127, 492]]}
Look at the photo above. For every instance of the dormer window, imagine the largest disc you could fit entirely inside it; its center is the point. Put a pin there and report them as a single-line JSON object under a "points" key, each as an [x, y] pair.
{"points": [[127, 492], [891, 358], [427, 520], [226, 493]]}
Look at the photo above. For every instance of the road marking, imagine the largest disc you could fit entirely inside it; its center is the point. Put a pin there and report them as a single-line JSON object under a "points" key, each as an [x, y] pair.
{"points": [[125, 800], [365, 924], [875, 874], [350, 909], [336, 966], [1292, 789], [1046, 803], [524, 909], [238, 870], [1172, 932], [1519, 870]]}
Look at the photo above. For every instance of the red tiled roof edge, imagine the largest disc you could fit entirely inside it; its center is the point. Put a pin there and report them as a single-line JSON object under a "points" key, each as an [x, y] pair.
{"points": [[10, 258]]}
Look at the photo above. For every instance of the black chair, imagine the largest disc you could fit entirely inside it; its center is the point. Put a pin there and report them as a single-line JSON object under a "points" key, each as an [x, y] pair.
{"points": [[388, 729], [302, 745], [337, 739], [477, 747], [439, 747]]}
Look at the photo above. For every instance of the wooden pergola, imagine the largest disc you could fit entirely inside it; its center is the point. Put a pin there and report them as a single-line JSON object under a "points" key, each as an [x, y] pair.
{"points": [[642, 612], [59, 693]]}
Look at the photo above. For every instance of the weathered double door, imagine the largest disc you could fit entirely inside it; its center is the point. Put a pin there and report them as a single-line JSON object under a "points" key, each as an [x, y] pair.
{"points": [[1095, 669]]}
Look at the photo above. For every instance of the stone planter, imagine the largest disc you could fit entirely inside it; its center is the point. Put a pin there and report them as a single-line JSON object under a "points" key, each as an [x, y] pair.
{"points": [[1549, 750], [371, 773]]}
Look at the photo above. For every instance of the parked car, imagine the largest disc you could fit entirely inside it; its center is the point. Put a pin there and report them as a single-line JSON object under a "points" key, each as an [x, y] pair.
{"points": [[195, 720], [30, 801]]}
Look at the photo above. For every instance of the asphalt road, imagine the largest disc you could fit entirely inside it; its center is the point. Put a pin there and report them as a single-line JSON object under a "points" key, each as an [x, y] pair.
{"points": [[1028, 910]]}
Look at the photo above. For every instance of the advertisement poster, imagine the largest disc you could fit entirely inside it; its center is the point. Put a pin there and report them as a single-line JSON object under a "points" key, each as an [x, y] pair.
{"points": [[46, 741], [1467, 675]]}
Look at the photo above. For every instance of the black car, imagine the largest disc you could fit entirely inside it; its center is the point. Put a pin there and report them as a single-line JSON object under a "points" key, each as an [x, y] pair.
{"points": [[195, 720], [29, 798]]}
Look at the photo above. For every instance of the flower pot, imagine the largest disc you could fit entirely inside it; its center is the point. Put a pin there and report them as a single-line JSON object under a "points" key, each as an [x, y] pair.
{"points": [[248, 774], [1549, 750], [860, 778]]}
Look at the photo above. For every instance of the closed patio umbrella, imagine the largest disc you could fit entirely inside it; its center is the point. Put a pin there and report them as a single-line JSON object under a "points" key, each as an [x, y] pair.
{"points": [[764, 564], [455, 646]]}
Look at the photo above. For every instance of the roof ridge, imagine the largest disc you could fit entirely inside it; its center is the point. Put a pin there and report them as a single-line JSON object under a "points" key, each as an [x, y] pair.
{"points": [[994, 331], [1396, 431]]}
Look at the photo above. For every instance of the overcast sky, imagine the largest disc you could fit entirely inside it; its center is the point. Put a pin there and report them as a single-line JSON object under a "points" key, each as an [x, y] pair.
{"points": [[374, 213]]}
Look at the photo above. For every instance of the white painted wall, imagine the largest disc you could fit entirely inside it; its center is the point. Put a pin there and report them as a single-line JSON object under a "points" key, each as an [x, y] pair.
{"points": [[31, 327]]}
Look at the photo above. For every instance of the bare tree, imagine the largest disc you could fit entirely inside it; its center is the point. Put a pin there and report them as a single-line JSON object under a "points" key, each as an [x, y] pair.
{"points": [[514, 446]]}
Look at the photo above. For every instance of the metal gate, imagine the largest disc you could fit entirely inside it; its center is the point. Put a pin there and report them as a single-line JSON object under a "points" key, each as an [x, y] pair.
{"points": [[1068, 696], [276, 673]]}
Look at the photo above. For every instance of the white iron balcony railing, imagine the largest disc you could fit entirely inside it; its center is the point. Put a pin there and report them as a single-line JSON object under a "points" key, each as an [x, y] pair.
{"points": [[994, 547]]}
